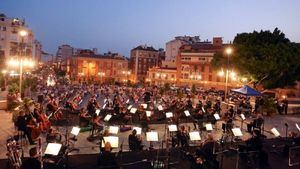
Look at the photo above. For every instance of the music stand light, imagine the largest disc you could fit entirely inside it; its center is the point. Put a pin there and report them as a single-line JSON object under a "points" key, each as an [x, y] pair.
{"points": [[53, 148], [243, 116], [129, 107], [113, 140], [172, 127], [113, 129], [138, 130], [104, 100], [127, 101], [103, 107], [169, 114], [237, 132], [98, 110], [152, 136], [144, 106], [107, 117], [275, 132], [195, 136], [160, 108], [187, 113], [217, 116], [208, 127], [148, 113], [75, 131], [297, 127], [133, 110]]}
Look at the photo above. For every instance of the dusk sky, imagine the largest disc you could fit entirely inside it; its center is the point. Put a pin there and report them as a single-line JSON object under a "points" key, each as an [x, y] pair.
{"points": [[120, 25]]}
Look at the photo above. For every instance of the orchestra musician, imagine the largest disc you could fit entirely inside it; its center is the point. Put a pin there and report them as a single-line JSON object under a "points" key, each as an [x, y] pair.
{"points": [[106, 158], [22, 121], [32, 162], [256, 123], [134, 141], [183, 137], [84, 118], [97, 124]]}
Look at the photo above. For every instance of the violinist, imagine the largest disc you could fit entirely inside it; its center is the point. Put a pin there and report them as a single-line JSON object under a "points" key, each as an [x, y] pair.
{"points": [[84, 118]]}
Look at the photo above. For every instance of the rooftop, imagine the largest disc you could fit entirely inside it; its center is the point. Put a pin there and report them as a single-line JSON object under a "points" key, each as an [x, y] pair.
{"points": [[145, 48]]}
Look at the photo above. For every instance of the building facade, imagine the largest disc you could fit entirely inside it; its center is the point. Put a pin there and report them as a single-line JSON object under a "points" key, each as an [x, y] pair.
{"points": [[172, 47], [88, 66], [11, 43], [161, 76], [142, 58], [194, 65]]}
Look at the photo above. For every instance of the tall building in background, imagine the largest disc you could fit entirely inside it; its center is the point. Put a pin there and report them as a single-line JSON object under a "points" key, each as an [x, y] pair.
{"points": [[63, 54], [142, 58], [172, 47], [11, 42]]}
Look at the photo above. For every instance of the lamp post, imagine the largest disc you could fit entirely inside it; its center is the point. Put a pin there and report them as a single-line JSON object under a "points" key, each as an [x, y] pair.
{"points": [[228, 52]]}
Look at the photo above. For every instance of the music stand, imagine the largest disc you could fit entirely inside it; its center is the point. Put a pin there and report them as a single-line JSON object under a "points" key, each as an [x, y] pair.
{"points": [[113, 129], [148, 113], [75, 131], [129, 107], [217, 116], [152, 136], [103, 107], [127, 101], [160, 108], [237, 132], [107, 117], [187, 113], [144, 106], [208, 127], [98, 111], [169, 114], [138, 130], [275, 132], [172, 127], [194, 136], [297, 126], [53, 149], [113, 140], [133, 110]]}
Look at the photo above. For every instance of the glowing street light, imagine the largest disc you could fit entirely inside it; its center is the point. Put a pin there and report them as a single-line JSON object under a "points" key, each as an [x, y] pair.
{"points": [[101, 74], [23, 33], [228, 51]]}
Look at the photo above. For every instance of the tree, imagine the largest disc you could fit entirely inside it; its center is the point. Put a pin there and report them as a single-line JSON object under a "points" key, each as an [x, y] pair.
{"points": [[268, 58]]}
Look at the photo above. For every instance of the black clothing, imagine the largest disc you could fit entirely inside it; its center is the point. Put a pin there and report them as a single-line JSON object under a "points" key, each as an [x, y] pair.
{"points": [[134, 143], [31, 163], [107, 159]]}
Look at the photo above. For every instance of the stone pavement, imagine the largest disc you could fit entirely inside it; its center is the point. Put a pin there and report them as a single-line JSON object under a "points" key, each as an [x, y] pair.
{"points": [[86, 147]]}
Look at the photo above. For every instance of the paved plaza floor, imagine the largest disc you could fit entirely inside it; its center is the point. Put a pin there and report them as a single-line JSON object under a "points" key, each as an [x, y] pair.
{"points": [[85, 147]]}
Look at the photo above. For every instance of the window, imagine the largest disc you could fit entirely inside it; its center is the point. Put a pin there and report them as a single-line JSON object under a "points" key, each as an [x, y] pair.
{"points": [[4, 28], [210, 78], [210, 69]]}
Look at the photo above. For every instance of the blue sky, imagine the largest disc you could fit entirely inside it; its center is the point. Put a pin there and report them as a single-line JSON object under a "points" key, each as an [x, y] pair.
{"points": [[120, 25]]}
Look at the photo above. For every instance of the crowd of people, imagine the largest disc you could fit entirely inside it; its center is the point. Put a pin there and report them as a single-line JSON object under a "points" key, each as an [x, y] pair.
{"points": [[92, 103]]}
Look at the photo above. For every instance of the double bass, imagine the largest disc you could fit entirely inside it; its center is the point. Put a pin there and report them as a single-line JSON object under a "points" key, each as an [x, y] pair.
{"points": [[35, 128]]}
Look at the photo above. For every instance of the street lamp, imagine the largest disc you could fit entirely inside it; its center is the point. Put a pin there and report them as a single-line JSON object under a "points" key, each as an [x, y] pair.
{"points": [[21, 63], [228, 52]]}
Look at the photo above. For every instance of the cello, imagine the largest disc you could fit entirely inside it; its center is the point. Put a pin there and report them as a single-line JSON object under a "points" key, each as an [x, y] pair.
{"points": [[35, 128]]}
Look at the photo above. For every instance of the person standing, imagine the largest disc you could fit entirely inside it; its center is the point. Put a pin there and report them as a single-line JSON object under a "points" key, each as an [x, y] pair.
{"points": [[32, 162]]}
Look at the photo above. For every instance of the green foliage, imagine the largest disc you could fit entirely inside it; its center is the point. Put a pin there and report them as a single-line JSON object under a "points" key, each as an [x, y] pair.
{"points": [[269, 105], [30, 82], [13, 88], [269, 58]]}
